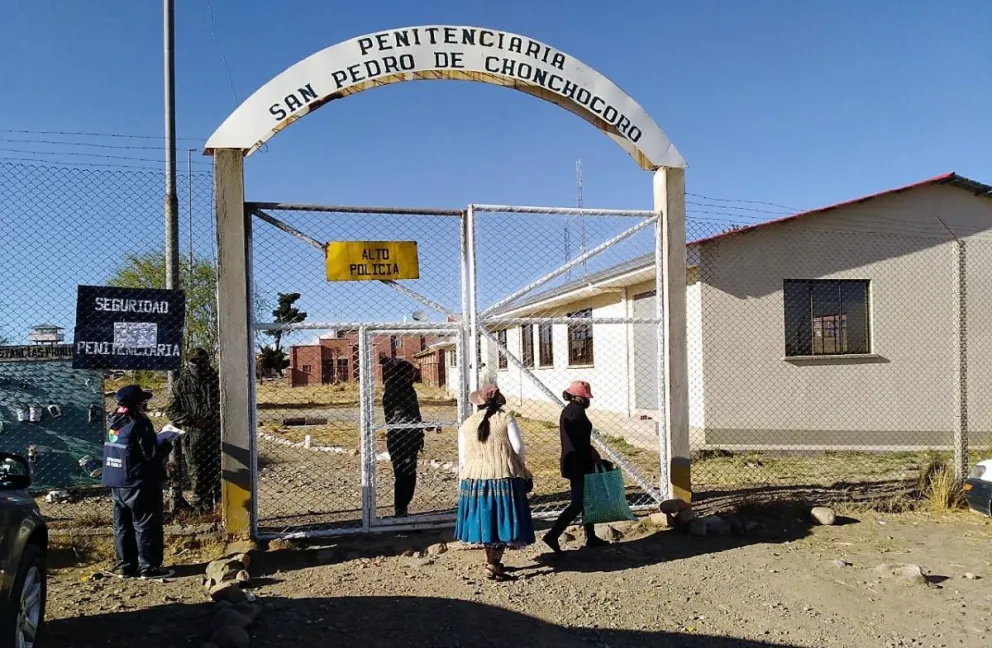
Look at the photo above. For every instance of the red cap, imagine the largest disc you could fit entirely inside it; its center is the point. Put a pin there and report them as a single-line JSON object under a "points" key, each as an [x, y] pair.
{"points": [[580, 388]]}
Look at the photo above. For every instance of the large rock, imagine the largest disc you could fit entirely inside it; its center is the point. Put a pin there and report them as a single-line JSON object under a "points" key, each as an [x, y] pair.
{"points": [[437, 549], [245, 558], [673, 506], [229, 592], [229, 617], [736, 527], [823, 515], [250, 610], [231, 637], [224, 570], [685, 516], [716, 525], [909, 573]]}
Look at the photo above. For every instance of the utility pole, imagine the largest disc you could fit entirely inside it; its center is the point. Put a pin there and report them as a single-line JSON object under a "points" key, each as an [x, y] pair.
{"points": [[171, 199], [189, 198], [171, 209]]}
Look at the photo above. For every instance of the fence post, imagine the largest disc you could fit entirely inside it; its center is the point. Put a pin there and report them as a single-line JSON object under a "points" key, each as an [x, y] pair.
{"points": [[961, 427], [461, 349], [669, 199], [237, 378], [472, 361]]}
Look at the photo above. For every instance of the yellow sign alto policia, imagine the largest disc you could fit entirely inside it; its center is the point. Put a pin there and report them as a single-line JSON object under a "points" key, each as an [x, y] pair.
{"points": [[371, 260]]}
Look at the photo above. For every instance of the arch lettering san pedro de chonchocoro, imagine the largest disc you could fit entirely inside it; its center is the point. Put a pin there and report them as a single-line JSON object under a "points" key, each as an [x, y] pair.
{"points": [[437, 52]]}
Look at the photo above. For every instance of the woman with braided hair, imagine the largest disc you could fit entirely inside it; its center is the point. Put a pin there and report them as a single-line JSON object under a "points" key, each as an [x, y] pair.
{"points": [[493, 510]]}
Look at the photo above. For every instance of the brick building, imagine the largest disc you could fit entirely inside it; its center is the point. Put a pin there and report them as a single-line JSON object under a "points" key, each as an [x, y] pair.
{"points": [[335, 359]]}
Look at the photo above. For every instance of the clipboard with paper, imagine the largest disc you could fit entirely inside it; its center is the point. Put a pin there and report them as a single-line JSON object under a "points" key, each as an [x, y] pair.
{"points": [[170, 433]]}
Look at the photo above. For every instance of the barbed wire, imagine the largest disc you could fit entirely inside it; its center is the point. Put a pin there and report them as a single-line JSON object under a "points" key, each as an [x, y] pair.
{"points": [[92, 134], [742, 200], [747, 209], [101, 145], [105, 156]]}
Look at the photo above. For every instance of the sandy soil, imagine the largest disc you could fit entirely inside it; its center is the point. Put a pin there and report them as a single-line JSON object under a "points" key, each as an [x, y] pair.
{"points": [[778, 587]]}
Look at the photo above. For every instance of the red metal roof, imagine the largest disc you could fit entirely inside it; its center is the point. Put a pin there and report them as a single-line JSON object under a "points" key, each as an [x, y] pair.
{"points": [[951, 178]]}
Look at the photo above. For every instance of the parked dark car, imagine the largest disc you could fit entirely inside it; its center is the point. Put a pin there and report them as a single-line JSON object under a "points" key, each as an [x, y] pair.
{"points": [[978, 487], [23, 545]]}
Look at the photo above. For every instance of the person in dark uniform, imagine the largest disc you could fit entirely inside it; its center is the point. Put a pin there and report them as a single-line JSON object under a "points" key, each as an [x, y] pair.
{"points": [[578, 457], [134, 469], [401, 407]]}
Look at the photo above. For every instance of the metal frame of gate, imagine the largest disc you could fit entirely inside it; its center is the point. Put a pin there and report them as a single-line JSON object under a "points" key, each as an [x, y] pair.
{"points": [[469, 331]]}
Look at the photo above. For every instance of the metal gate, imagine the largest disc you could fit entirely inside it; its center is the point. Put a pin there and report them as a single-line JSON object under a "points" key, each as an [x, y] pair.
{"points": [[358, 431]]}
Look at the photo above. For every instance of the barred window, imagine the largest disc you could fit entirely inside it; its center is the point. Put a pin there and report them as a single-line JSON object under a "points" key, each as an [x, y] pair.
{"points": [[500, 356], [580, 340], [453, 357], [544, 344], [307, 369], [527, 344], [826, 317]]}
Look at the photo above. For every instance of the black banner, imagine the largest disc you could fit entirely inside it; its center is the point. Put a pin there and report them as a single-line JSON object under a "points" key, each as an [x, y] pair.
{"points": [[128, 328]]}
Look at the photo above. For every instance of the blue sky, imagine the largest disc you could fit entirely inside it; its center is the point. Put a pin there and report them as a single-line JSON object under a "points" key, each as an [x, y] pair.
{"points": [[797, 103]]}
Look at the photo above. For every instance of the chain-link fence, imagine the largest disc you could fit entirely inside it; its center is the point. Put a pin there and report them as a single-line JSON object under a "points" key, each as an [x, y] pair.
{"points": [[64, 226], [832, 353], [838, 353]]}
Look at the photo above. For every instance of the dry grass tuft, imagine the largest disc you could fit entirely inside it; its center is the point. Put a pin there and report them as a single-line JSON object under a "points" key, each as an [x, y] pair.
{"points": [[941, 490]]}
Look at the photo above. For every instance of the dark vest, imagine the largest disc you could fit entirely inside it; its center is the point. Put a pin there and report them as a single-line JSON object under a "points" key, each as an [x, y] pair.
{"points": [[124, 466]]}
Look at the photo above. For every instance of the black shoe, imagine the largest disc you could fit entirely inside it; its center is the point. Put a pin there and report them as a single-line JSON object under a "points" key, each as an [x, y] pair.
{"points": [[553, 544], [156, 573], [125, 573], [402, 513], [593, 542]]}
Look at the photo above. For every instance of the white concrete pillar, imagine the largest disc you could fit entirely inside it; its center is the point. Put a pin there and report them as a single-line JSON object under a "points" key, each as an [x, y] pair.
{"points": [[673, 372]]}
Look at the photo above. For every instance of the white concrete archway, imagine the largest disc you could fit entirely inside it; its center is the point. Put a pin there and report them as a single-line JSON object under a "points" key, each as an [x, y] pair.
{"points": [[434, 52], [461, 53]]}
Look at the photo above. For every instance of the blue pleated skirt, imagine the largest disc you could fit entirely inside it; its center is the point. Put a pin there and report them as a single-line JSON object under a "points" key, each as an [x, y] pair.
{"points": [[494, 512]]}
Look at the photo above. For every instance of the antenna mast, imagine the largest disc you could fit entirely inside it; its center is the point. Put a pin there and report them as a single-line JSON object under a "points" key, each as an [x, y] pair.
{"points": [[578, 203]]}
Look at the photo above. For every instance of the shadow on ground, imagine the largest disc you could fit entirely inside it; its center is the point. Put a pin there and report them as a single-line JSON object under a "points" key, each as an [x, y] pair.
{"points": [[366, 621], [776, 522], [857, 493]]}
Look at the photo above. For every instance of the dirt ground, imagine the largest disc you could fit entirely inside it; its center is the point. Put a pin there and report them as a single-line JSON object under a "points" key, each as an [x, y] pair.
{"points": [[783, 585]]}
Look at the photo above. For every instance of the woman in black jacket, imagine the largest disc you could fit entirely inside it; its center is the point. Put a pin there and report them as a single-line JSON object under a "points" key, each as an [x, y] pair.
{"points": [[401, 408], [578, 457]]}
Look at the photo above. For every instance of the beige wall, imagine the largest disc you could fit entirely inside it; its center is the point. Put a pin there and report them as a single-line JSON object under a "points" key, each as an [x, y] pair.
{"points": [[905, 393], [607, 375]]}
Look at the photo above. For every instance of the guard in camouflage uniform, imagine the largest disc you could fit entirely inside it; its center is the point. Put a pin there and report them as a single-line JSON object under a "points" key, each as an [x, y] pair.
{"points": [[195, 407]]}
